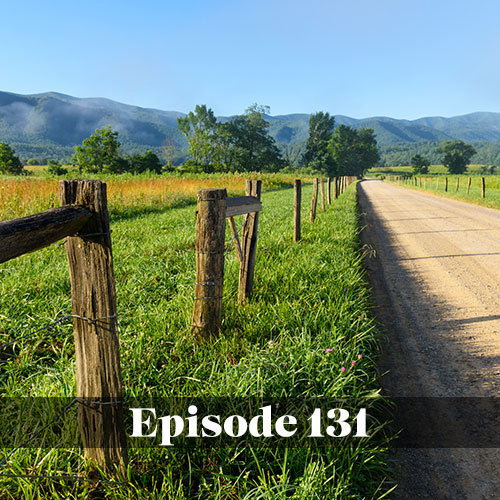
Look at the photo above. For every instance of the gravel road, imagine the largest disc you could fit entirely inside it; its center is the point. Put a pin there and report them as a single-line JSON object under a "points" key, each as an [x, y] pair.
{"points": [[436, 282]]}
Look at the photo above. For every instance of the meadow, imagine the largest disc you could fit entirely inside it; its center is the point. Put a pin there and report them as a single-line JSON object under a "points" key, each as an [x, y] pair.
{"points": [[306, 332], [435, 183]]}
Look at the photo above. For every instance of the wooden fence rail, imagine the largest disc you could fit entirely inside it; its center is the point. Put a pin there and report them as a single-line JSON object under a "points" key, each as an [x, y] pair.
{"points": [[83, 219]]}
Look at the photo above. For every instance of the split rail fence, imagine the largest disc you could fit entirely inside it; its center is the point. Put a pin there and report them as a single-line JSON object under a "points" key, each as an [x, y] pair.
{"points": [[83, 220]]}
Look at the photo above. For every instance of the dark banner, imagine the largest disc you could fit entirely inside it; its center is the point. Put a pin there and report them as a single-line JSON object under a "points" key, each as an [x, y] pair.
{"points": [[255, 422]]}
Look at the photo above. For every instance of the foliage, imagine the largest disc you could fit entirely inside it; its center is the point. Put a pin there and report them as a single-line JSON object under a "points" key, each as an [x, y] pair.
{"points": [[242, 144], [9, 162], [200, 129], [253, 148], [100, 152], [32, 161], [55, 169], [420, 164], [354, 151], [317, 157], [147, 162], [457, 155]]}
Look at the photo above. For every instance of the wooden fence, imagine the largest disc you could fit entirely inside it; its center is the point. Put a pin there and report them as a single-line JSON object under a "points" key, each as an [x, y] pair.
{"points": [[83, 220], [412, 180]]}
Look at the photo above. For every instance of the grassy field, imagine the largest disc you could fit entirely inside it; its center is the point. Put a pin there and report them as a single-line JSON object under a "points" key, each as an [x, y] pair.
{"points": [[309, 297], [436, 185], [407, 170]]}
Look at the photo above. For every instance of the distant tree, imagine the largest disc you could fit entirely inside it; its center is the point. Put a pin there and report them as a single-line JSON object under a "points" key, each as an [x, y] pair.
{"points": [[32, 161], [420, 164], [253, 149], [354, 151], [9, 162], [55, 168], [100, 152], [148, 161], [457, 155], [200, 129], [317, 157]]}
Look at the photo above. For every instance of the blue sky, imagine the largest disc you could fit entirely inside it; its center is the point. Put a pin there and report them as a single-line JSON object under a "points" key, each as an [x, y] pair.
{"points": [[360, 58]]}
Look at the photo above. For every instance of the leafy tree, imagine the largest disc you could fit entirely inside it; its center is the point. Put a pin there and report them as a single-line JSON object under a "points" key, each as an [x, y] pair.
{"points": [[142, 163], [100, 152], [253, 149], [354, 151], [457, 155], [32, 161], [200, 129], [55, 168], [420, 164], [317, 156], [9, 162]]}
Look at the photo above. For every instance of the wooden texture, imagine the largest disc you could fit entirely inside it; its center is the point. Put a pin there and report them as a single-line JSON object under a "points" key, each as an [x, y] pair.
{"points": [[329, 191], [242, 205], [446, 184], [314, 201], [322, 188], [27, 234], [98, 372], [297, 201], [249, 244], [209, 247], [468, 184], [458, 185], [483, 187], [236, 239], [335, 188]]}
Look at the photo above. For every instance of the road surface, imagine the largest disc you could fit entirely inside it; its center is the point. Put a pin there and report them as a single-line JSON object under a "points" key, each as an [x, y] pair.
{"points": [[435, 274]]}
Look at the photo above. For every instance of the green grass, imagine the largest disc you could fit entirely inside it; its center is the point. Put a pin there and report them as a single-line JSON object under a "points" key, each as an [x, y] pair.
{"points": [[492, 198], [308, 297]]}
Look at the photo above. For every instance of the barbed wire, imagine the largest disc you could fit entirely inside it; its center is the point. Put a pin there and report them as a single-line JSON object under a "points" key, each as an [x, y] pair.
{"points": [[63, 412], [60, 321]]}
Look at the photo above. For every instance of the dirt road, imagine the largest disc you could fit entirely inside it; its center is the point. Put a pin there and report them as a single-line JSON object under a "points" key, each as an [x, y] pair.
{"points": [[436, 281]]}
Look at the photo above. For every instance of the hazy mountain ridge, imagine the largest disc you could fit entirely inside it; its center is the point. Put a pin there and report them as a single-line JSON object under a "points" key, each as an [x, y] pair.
{"points": [[54, 122]]}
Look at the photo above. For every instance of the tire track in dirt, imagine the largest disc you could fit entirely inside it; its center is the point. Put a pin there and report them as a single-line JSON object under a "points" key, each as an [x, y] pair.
{"points": [[436, 284]]}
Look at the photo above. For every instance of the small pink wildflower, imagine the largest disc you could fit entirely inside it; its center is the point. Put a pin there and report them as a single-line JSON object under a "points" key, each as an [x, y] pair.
{"points": [[353, 363], [342, 369], [360, 356], [329, 351]]}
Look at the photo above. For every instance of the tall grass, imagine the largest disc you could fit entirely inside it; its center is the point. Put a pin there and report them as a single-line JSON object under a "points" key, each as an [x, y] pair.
{"points": [[308, 297]]}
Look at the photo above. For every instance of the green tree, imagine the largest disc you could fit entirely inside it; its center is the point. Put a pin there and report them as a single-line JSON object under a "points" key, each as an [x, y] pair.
{"points": [[148, 161], [420, 164], [317, 156], [200, 129], [253, 149], [457, 155], [354, 151], [9, 162], [100, 153]]}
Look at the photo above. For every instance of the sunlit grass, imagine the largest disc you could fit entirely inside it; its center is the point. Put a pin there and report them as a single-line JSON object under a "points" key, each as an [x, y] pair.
{"points": [[308, 297]]}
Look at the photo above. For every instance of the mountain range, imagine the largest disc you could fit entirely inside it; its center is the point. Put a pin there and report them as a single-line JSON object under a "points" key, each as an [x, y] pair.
{"points": [[51, 124]]}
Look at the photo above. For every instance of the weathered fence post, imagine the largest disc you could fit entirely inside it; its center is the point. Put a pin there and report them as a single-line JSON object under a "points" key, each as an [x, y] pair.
{"points": [[335, 188], [322, 194], [249, 244], [458, 184], [93, 300], [437, 183], [314, 199], [468, 184], [209, 248], [329, 198], [297, 200], [483, 187], [446, 184]]}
